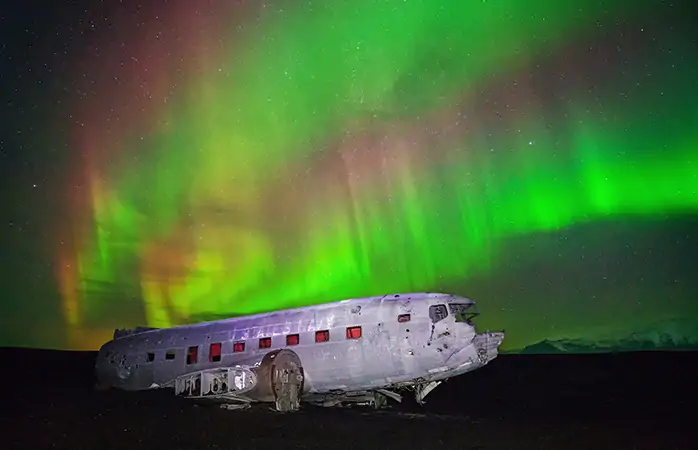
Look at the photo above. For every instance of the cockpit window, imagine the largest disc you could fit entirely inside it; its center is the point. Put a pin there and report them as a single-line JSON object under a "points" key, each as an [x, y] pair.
{"points": [[464, 312], [437, 313]]}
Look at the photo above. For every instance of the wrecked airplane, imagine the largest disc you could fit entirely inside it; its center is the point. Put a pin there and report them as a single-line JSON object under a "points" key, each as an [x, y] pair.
{"points": [[359, 351]]}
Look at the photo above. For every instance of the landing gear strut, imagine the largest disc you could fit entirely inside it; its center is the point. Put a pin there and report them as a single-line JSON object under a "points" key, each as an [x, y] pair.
{"points": [[287, 385], [281, 380]]}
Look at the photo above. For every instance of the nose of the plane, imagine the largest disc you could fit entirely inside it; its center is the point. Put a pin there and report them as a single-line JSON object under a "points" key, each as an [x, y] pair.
{"points": [[496, 338], [493, 339], [487, 344]]}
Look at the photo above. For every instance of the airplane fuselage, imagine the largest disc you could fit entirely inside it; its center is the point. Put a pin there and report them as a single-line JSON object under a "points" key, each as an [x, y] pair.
{"points": [[351, 345]]}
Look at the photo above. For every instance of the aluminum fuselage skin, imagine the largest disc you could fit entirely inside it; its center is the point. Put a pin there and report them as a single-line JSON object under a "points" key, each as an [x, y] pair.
{"points": [[389, 353]]}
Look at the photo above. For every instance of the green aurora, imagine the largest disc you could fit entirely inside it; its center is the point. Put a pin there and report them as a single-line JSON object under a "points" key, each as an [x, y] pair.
{"points": [[315, 151]]}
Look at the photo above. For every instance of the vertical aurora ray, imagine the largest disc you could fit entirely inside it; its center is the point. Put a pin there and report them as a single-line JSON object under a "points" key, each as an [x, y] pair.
{"points": [[310, 153]]}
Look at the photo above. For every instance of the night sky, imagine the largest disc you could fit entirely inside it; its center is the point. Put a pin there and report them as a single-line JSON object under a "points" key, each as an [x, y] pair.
{"points": [[166, 162]]}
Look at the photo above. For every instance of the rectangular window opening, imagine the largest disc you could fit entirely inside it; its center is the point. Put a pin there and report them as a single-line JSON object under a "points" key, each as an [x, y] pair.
{"points": [[170, 354], [265, 342], [192, 355], [322, 336], [353, 332], [151, 357], [402, 318], [238, 347], [292, 339], [437, 313], [214, 352]]}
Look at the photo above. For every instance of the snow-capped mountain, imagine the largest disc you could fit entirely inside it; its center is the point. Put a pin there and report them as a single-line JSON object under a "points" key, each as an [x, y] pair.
{"points": [[674, 334]]}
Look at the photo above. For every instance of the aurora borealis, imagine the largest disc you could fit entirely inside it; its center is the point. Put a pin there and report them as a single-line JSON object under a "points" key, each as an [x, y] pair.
{"points": [[221, 157]]}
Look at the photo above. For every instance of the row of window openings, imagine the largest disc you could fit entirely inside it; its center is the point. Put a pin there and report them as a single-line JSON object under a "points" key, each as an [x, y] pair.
{"points": [[214, 354]]}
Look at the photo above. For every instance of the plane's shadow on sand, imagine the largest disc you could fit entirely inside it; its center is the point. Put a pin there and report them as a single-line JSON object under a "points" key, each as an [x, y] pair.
{"points": [[642, 400]]}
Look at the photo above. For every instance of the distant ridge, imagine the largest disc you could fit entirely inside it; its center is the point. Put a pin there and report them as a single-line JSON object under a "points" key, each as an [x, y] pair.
{"points": [[665, 335]]}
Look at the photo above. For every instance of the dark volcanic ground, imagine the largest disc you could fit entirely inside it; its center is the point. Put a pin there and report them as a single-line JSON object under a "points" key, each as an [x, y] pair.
{"points": [[623, 401]]}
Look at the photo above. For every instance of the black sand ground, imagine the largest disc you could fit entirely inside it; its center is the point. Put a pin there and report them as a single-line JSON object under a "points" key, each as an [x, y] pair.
{"points": [[625, 401]]}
